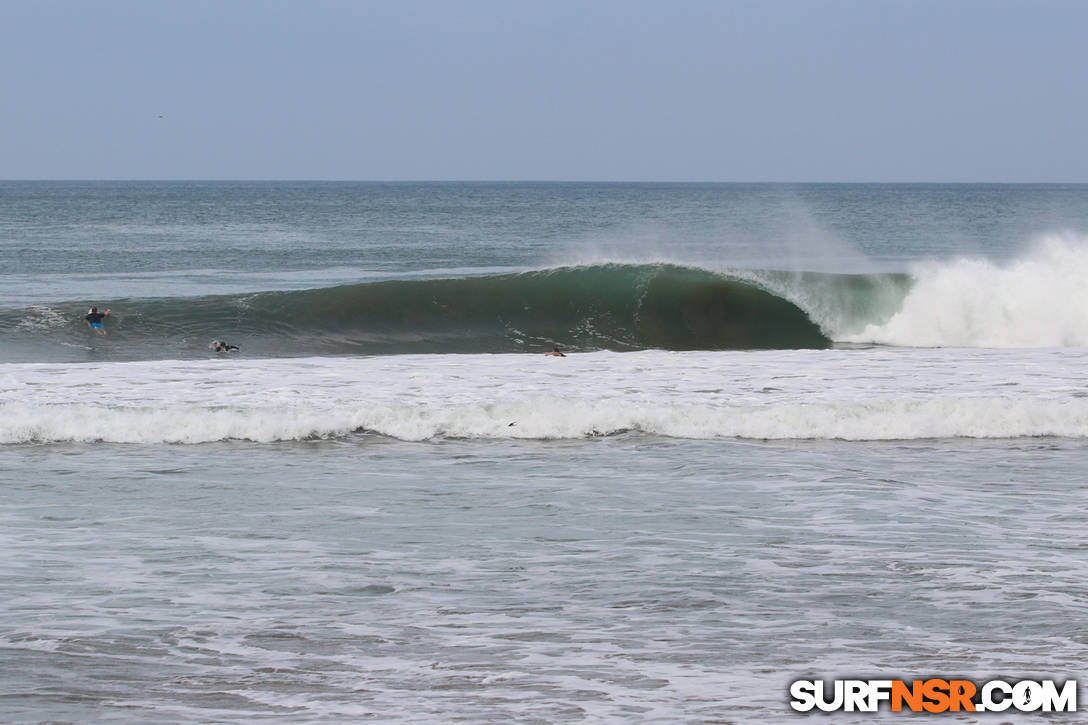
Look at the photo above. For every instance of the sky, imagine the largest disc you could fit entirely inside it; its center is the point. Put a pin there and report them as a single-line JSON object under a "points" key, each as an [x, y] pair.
{"points": [[593, 90]]}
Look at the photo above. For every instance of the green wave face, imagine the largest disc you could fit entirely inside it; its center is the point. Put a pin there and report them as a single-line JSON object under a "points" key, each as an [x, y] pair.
{"points": [[611, 306]]}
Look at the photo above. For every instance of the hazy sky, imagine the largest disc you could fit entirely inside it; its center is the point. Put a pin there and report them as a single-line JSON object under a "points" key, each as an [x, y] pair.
{"points": [[670, 90]]}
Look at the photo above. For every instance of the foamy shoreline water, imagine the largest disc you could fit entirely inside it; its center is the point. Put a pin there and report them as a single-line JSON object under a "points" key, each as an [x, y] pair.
{"points": [[630, 579], [867, 394]]}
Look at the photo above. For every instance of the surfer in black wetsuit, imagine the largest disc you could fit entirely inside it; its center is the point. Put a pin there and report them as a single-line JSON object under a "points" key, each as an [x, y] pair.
{"points": [[94, 319], [555, 352], [220, 346]]}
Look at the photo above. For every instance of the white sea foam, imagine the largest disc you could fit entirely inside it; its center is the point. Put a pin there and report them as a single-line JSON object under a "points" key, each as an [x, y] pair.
{"points": [[1038, 300], [873, 394], [41, 317]]}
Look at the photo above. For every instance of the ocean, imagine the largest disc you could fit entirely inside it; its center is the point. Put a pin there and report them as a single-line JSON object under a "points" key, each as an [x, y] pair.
{"points": [[809, 431]]}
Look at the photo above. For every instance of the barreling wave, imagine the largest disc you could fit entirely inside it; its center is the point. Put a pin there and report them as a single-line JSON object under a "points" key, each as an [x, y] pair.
{"points": [[1036, 301], [608, 306]]}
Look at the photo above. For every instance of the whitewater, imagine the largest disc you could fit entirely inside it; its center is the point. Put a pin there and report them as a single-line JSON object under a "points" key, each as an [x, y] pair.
{"points": [[837, 394], [1036, 300], [800, 431]]}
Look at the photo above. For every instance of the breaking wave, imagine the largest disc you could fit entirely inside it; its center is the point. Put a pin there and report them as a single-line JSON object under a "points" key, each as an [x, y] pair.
{"points": [[1039, 300], [874, 394], [609, 306], [554, 419]]}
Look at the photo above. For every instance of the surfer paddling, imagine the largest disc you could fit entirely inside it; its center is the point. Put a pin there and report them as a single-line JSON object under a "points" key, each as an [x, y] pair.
{"points": [[220, 346], [94, 319], [555, 352]]}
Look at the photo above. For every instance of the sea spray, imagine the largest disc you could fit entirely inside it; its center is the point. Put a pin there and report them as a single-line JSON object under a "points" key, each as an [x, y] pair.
{"points": [[1037, 300]]}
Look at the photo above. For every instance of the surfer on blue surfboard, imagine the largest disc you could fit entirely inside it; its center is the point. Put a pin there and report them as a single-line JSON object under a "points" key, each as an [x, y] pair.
{"points": [[94, 319]]}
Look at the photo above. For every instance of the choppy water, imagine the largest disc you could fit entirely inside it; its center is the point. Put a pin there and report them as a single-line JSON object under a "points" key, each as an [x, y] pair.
{"points": [[326, 532], [627, 579]]}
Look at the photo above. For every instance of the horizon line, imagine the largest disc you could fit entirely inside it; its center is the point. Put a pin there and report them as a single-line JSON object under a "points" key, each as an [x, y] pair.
{"points": [[524, 181]]}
